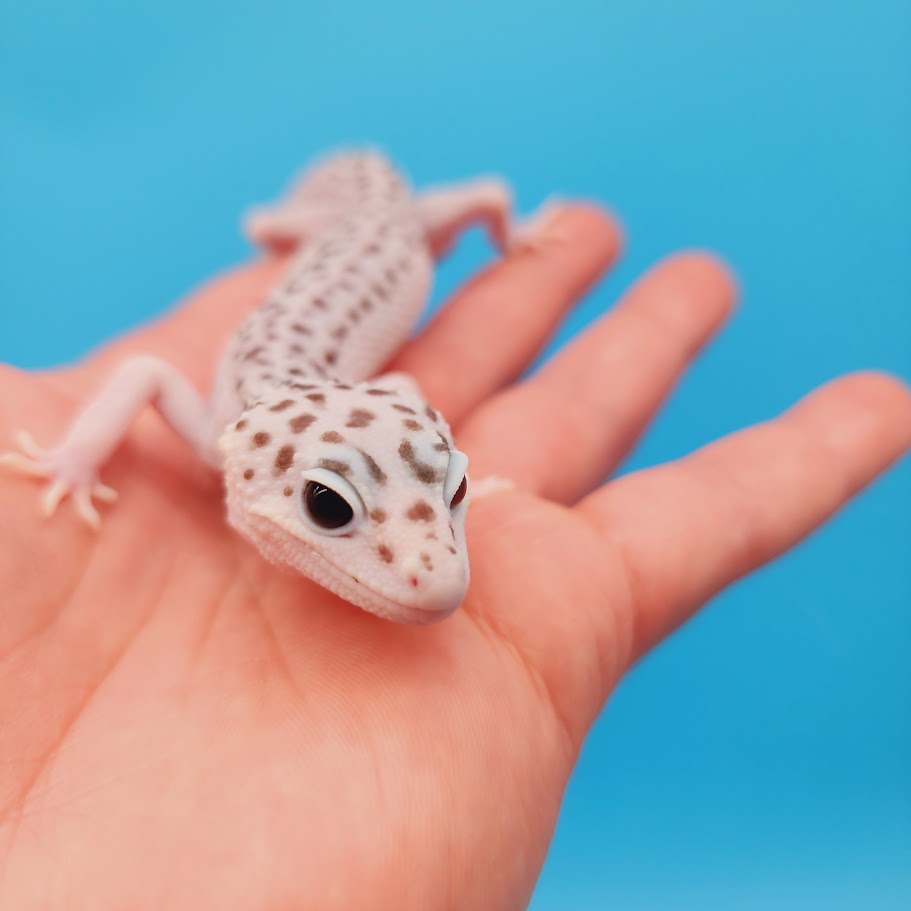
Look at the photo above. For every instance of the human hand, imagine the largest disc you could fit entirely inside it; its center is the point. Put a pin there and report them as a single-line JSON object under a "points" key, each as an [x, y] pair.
{"points": [[185, 726]]}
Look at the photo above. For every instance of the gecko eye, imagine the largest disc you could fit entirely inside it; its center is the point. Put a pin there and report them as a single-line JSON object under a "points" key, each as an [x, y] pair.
{"points": [[455, 487], [459, 495], [328, 503]]}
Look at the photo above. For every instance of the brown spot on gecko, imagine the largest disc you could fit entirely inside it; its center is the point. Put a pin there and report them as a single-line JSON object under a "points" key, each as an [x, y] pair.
{"points": [[442, 446], [422, 511], [366, 305], [410, 424], [335, 465], [379, 291], [385, 553], [295, 349], [288, 491], [248, 473], [261, 439], [373, 248], [332, 436], [378, 516], [240, 424], [300, 328], [425, 559], [421, 470], [375, 391], [284, 457], [431, 536], [404, 409], [451, 549], [431, 413], [339, 332], [376, 472], [331, 357], [253, 352], [282, 405], [360, 417], [301, 422], [317, 397], [319, 303]]}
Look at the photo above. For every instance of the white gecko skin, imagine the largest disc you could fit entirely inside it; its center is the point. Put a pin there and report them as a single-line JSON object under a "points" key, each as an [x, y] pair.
{"points": [[356, 483]]}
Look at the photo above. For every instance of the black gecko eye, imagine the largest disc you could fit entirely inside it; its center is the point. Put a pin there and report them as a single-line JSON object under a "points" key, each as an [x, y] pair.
{"points": [[459, 495], [329, 503], [325, 507]]}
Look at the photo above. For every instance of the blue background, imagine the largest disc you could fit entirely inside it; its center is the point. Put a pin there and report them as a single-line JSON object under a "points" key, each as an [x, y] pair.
{"points": [[762, 758]]}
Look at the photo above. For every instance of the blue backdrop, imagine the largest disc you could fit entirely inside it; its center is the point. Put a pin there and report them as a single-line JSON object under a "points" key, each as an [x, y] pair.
{"points": [[762, 758]]}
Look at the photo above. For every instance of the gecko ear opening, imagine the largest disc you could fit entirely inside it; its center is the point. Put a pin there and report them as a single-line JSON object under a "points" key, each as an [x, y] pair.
{"points": [[328, 503]]}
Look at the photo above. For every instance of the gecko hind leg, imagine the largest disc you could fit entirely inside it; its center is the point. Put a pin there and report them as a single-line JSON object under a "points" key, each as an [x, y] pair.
{"points": [[446, 211]]}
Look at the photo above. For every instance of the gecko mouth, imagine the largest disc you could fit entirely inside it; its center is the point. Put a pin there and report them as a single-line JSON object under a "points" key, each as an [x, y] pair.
{"points": [[310, 562]]}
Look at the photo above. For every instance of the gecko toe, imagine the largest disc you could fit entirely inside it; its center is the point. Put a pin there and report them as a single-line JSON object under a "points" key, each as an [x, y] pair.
{"points": [[52, 496], [21, 464], [28, 445], [85, 509], [104, 493]]}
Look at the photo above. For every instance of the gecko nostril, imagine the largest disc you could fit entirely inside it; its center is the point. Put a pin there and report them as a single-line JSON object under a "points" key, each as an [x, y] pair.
{"points": [[414, 581]]}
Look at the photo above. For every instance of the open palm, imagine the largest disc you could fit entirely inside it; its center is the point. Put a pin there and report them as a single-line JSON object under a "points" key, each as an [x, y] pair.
{"points": [[184, 726]]}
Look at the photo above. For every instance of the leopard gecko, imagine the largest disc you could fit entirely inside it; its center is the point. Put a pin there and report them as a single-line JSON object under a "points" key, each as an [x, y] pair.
{"points": [[354, 482]]}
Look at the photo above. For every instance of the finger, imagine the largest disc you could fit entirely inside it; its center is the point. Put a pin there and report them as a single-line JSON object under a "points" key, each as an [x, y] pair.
{"points": [[689, 528], [562, 431], [494, 326]]}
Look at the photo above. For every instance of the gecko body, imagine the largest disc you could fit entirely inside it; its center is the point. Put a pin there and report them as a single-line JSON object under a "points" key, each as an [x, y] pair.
{"points": [[354, 482]]}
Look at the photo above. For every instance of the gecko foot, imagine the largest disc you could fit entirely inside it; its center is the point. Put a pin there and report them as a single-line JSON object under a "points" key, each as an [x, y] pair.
{"points": [[66, 478], [537, 232]]}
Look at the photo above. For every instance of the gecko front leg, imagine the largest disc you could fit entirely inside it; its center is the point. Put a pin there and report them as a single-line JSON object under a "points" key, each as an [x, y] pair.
{"points": [[72, 468]]}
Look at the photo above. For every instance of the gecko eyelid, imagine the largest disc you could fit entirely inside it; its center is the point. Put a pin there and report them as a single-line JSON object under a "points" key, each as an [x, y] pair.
{"points": [[328, 503]]}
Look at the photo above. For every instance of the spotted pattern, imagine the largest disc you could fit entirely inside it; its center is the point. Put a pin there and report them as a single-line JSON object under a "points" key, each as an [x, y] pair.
{"points": [[332, 436], [360, 417], [425, 473], [261, 439], [301, 422], [385, 553], [376, 472], [421, 511], [284, 458], [336, 465]]}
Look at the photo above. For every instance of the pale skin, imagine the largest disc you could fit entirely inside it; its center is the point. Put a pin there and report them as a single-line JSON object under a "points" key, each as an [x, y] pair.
{"points": [[184, 726]]}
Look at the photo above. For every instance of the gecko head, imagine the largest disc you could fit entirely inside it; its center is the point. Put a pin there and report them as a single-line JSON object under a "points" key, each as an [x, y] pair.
{"points": [[358, 488]]}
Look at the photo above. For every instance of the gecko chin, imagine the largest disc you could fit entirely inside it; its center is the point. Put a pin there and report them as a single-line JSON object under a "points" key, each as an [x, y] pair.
{"points": [[395, 597]]}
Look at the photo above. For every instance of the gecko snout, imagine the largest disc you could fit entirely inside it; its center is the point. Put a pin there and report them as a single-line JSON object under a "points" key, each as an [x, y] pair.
{"points": [[435, 590]]}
